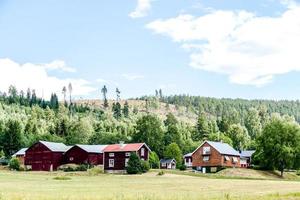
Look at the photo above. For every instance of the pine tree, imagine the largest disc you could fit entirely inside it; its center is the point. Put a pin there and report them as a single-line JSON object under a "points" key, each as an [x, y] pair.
{"points": [[70, 92], [126, 109], [12, 138], [134, 164], [104, 92]]}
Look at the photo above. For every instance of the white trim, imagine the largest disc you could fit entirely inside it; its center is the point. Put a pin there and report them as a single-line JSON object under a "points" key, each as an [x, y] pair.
{"points": [[111, 164]]}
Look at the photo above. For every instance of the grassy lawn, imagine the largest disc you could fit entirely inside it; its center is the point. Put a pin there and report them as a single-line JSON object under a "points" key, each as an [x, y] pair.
{"points": [[39, 186]]}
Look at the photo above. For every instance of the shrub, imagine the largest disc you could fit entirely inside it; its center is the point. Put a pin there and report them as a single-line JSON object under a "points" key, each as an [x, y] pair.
{"points": [[160, 173], [62, 178], [134, 164], [82, 168], [14, 164], [145, 166], [153, 160], [95, 171], [182, 167]]}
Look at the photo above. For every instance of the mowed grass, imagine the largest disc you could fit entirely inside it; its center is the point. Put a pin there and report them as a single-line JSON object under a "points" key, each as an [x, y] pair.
{"points": [[41, 186]]}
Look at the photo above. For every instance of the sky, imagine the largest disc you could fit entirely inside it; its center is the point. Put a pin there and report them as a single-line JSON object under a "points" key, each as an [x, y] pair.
{"points": [[233, 48]]}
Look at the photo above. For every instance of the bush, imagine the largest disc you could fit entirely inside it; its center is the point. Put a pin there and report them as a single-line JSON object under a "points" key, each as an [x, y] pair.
{"points": [[73, 167], [145, 166], [14, 164], [95, 171], [153, 160], [160, 173], [62, 178], [134, 165], [182, 167], [82, 168]]}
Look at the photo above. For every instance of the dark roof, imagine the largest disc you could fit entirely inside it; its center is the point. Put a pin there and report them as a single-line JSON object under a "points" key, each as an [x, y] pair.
{"points": [[222, 148], [55, 147], [92, 148], [21, 152], [167, 160], [247, 153]]}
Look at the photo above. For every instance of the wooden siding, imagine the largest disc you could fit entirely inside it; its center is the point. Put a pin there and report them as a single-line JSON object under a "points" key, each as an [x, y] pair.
{"points": [[78, 156], [40, 158], [215, 158], [120, 157]]}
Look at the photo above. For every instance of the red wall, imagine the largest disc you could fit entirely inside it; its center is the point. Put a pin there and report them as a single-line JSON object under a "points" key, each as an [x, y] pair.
{"points": [[77, 155], [41, 158]]}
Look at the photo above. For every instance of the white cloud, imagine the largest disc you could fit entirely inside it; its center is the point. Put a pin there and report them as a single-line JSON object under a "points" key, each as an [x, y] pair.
{"points": [[142, 9], [35, 76], [249, 49], [58, 65], [132, 77]]}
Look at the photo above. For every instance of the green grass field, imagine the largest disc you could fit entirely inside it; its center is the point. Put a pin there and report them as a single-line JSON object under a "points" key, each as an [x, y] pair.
{"points": [[80, 186]]}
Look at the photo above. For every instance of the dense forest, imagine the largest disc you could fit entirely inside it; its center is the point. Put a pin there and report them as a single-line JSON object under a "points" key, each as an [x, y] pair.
{"points": [[25, 118]]}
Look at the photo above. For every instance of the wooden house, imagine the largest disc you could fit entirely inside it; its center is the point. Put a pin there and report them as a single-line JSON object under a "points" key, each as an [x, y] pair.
{"points": [[211, 156], [85, 154], [116, 156], [188, 160], [168, 164], [45, 156], [246, 158], [20, 155]]}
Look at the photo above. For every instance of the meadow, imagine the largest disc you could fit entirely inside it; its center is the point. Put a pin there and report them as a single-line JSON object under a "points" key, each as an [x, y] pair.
{"points": [[81, 186]]}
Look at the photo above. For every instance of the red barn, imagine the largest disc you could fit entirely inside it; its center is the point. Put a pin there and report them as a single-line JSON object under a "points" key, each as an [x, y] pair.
{"points": [[116, 156], [211, 156], [85, 154], [45, 156]]}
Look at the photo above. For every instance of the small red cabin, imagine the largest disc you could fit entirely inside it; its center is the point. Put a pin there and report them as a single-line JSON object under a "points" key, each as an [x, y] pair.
{"points": [[211, 156], [45, 156], [116, 156], [85, 154], [20, 155]]}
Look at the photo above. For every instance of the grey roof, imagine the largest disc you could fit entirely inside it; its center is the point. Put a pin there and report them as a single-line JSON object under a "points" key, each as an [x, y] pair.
{"points": [[167, 160], [56, 147], [92, 148], [247, 153], [224, 148], [188, 155], [20, 152]]}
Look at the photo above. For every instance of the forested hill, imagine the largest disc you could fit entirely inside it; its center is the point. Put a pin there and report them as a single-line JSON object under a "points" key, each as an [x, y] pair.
{"points": [[225, 106]]}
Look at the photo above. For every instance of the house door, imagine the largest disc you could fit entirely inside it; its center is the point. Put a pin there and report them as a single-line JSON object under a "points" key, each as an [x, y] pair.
{"points": [[203, 170]]}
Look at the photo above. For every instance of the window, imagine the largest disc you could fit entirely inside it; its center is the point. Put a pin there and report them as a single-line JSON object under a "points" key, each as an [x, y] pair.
{"points": [[71, 158], [205, 158], [142, 152], [127, 154], [111, 155], [206, 150], [163, 164], [111, 163], [234, 160], [126, 162], [226, 158]]}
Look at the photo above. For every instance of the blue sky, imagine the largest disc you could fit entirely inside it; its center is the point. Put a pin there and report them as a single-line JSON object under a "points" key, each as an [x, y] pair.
{"points": [[232, 48]]}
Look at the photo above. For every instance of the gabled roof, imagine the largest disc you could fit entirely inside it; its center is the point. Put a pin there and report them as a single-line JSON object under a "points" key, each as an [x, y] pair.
{"points": [[247, 153], [21, 152], [92, 148], [124, 147], [55, 147], [188, 155], [222, 148], [167, 160]]}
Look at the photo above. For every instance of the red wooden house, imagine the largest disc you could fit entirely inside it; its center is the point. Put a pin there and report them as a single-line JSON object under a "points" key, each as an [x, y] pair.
{"points": [[211, 156], [45, 156], [116, 156], [85, 154]]}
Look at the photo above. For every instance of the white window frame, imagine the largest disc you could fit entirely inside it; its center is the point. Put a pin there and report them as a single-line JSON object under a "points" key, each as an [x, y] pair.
{"points": [[127, 154], [227, 158], [126, 162], [142, 151], [206, 150], [235, 160], [206, 158], [111, 162], [111, 154]]}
